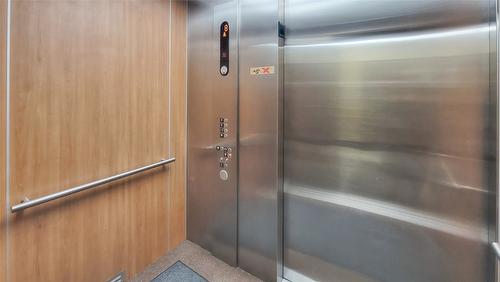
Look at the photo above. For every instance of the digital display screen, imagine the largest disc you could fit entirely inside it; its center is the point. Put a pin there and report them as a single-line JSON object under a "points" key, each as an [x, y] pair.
{"points": [[224, 48]]}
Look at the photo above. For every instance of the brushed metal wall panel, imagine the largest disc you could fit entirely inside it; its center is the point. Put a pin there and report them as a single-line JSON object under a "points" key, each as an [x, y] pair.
{"points": [[388, 132], [212, 202]]}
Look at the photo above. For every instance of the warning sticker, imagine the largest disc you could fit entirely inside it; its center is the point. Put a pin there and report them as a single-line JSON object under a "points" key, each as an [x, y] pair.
{"points": [[262, 70]]}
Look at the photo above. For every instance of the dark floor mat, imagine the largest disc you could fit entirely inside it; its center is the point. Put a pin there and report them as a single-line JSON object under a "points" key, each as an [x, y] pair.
{"points": [[179, 272]]}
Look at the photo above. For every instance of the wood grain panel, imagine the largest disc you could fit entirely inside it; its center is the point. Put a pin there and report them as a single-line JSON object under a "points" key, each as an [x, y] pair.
{"points": [[3, 222], [179, 122], [90, 98]]}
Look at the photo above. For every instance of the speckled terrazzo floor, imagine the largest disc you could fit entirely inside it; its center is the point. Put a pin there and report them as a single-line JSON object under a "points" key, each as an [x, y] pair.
{"points": [[198, 259]]}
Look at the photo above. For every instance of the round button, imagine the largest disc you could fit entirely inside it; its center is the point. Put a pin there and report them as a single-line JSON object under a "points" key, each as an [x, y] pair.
{"points": [[223, 70], [223, 175]]}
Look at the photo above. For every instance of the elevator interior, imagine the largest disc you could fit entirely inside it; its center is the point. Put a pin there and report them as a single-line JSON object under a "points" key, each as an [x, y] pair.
{"points": [[344, 140], [304, 140]]}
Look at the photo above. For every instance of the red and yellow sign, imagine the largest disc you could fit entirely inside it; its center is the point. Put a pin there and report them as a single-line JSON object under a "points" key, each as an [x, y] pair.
{"points": [[266, 70]]}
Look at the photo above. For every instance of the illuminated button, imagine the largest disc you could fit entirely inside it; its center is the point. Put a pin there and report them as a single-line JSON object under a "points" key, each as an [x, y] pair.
{"points": [[218, 148], [222, 135]]}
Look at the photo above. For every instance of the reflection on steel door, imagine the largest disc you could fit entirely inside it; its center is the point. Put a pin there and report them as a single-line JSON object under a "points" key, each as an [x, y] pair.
{"points": [[388, 163]]}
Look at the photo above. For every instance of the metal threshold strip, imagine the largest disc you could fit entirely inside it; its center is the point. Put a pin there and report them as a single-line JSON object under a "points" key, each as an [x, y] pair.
{"points": [[38, 201]]}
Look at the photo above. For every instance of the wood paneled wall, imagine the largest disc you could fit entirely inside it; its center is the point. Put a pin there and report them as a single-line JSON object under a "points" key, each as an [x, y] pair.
{"points": [[3, 65], [97, 88], [179, 120]]}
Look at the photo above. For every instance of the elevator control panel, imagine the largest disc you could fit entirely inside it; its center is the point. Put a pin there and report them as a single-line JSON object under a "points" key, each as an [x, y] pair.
{"points": [[224, 49], [225, 153], [225, 156]]}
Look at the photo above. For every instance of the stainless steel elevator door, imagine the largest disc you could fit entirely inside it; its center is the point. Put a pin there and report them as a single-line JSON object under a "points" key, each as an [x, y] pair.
{"points": [[388, 114]]}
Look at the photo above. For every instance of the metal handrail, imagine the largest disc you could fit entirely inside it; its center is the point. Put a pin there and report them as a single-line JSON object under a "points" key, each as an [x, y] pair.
{"points": [[38, 201]]}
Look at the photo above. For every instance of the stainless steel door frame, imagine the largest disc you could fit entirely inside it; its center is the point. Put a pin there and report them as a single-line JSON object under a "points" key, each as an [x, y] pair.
{"points": [[259, 236], [495, 76]]}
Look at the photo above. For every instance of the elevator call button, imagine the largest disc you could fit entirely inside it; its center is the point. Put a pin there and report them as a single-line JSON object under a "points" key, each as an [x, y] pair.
{"points": [[223, 70], [223, 175]]}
